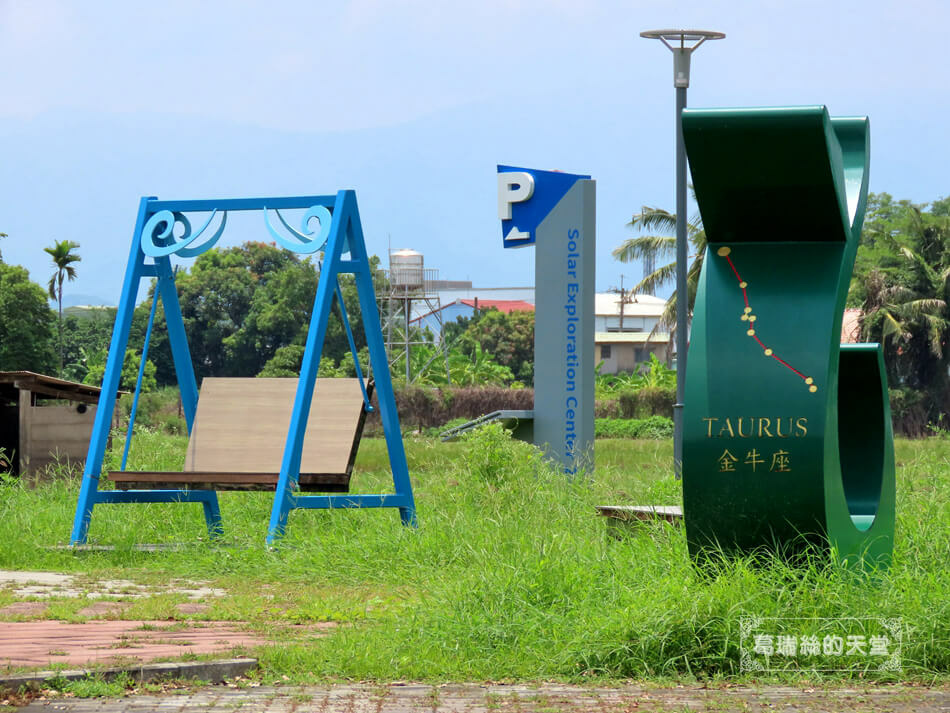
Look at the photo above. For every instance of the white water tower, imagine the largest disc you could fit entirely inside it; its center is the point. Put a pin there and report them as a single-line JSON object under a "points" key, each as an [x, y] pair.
{"points": [[406, 271], [409, 283]]}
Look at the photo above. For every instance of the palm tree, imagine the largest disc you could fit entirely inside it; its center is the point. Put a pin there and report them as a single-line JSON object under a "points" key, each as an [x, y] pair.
{"points": [[63, 258], [652, 245], [902, 284], [912, 323]]}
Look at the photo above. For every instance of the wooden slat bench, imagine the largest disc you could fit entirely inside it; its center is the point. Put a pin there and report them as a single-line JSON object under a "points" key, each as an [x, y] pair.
{"points": [[240, 429]]}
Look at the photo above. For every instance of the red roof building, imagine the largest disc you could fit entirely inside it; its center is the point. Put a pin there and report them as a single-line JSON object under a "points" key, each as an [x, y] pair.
{"points": [[506, 306], [465, 307]]}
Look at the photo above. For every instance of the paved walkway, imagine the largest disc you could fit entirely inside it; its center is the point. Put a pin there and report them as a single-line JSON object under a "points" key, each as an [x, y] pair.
{"points": [[36, 641], [472, 698], [46, 643], [44, 585], [40, 642]]}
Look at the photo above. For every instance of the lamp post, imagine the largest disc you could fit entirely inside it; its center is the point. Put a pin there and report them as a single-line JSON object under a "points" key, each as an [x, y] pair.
{"points": [[682, 43]]}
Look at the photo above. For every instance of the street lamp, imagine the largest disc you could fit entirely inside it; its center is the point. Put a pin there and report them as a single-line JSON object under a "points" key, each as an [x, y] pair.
{"points": [[682, 43]]}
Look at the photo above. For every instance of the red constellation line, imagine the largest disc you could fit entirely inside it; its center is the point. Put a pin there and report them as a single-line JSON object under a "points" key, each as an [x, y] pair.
{"points": [[747, 316]]}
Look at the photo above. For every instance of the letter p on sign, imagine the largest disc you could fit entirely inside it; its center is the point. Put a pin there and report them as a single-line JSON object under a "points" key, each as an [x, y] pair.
{"points": [[513, 187]]}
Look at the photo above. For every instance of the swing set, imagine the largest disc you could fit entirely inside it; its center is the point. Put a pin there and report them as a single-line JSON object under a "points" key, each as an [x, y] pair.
{"points": [[285, 435]]}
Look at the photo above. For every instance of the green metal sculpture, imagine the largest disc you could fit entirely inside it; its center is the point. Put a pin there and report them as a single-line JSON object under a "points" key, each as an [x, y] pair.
{"points": [[788, 442]]}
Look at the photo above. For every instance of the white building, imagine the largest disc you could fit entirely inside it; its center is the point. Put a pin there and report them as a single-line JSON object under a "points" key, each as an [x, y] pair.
{"points": [[622, 331], [465, 291]]}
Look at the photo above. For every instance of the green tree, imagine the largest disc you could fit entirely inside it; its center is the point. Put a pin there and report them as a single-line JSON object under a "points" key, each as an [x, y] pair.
{"points": [[427, 365], [902, 283], [478, 369], [653, 374], [26, 323], [288, 360], [277, 316], [453, 331], [507, 338], [656, 375], [83, 335], [216, 296], [242, 305], [348, 368], [888, 227], [663, 246], [63, 258], [2, 235], [96, 362], [285, 362]]}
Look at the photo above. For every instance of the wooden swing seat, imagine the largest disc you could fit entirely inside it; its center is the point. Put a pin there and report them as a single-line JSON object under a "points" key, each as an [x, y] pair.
{"points": [[240, 429]]}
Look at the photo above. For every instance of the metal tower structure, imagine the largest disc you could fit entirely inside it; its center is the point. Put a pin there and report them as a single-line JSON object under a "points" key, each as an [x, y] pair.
{"points": [[406, 292]]}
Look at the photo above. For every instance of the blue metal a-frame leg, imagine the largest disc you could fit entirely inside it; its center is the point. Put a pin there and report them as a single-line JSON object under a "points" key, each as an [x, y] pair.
{"points": [[89, 493], [346, 235]]}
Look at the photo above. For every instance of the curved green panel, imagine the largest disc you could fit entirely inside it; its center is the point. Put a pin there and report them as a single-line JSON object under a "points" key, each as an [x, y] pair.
{"points": [[787, 435]]}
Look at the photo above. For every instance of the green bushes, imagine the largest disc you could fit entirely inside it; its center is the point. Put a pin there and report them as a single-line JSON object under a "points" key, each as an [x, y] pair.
{"points": [[651, 427], [156, 410], [650, 391], [909, 412], [606, 408], [647, 401], [493, 455], [422, 407], [641, 414]]}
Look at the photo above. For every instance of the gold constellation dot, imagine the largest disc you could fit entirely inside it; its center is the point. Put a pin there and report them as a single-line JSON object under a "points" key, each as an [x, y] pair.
{"points": [[743, 284], [809, 380], [752, 317], [751, 332], [813, 388], [747, 310], [768, 352], [744, 317], [723, 251]]}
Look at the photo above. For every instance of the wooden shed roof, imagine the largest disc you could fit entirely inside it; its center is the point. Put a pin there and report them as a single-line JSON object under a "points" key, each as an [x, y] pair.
{"points": [[49, 386]]}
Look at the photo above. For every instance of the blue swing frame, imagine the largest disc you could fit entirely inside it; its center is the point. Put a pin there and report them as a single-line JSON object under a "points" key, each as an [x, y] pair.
{"points": [[340, 232]]}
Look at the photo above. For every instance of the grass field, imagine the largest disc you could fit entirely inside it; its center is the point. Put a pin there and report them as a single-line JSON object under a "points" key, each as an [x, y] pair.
{"points": [[509, 576]]}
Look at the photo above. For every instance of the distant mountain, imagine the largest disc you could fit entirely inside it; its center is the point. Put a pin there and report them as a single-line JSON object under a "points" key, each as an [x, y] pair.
{"points": [[73, 300], [88, 311]]}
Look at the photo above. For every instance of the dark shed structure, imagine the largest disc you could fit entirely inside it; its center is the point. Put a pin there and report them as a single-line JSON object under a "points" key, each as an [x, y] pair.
{"points": [[34, 435]]}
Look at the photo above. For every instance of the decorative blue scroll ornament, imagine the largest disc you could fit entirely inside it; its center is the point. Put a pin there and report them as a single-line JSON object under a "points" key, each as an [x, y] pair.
{"points": [[306, 242], [158, 235]]}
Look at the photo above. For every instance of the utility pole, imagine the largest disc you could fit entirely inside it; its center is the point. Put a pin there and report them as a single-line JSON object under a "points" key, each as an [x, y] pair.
{"points": [[623, 298]]}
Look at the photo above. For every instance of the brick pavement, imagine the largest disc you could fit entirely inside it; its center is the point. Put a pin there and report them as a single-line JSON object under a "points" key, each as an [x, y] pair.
{"points": [[42, 642], [38, 642], [473, 698]]}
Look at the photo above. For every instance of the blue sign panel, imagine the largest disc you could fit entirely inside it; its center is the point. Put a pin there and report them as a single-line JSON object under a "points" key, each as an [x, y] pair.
{"points": [[525, 198]]}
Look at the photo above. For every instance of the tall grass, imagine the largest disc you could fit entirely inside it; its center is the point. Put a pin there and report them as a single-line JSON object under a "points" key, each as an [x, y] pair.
{"points": [[510, 574]]}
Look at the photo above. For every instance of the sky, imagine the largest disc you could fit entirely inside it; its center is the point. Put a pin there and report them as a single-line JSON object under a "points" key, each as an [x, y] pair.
{"points": [[414, 104]]}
